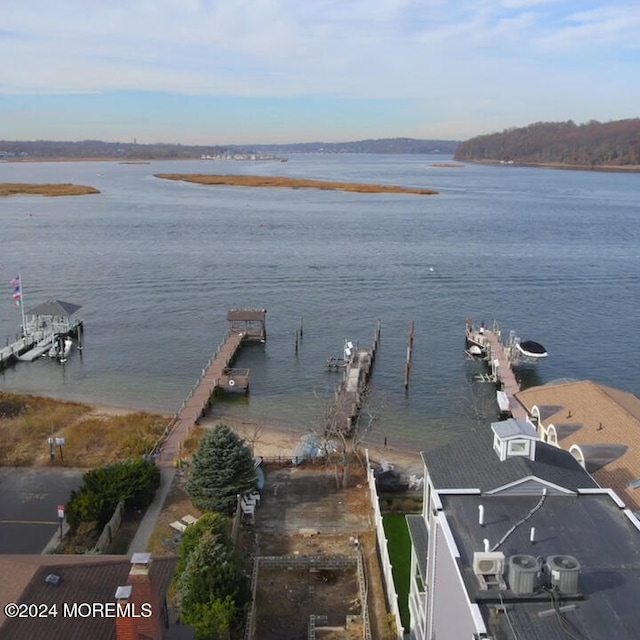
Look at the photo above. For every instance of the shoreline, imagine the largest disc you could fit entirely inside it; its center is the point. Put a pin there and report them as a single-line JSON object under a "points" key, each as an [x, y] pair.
{"points": [[268, 440], [271, 441]]}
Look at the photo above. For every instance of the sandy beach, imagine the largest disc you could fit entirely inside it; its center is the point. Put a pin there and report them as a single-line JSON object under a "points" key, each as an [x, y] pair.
{"points": [[271, 441]]}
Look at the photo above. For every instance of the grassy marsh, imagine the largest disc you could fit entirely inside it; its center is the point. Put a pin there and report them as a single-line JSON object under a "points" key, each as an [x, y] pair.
{"points": [[66, 189], [291, 183]]}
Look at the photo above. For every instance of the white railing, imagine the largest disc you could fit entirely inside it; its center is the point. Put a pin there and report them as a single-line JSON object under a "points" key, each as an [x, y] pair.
{"points": [[385, 561]]}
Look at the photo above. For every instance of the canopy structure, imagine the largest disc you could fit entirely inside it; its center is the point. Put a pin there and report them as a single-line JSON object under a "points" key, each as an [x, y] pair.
{"points": [[54, 315]]}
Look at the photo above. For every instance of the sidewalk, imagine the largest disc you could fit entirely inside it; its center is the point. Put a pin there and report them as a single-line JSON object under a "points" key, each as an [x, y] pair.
{"points": [[148, 523]]}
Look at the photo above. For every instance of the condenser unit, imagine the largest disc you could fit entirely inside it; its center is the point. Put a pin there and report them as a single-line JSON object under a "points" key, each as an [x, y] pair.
{"points": [[563, 573], [523, 574]]}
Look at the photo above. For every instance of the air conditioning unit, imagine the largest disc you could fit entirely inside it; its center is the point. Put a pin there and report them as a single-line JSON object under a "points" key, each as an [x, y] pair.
{"points": [[488, 563], [563, 573], [522, 574]]}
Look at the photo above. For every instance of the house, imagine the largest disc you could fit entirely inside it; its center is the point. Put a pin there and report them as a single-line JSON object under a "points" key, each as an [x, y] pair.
{"points": [[517, 540], [598, 425], [96, 597]]}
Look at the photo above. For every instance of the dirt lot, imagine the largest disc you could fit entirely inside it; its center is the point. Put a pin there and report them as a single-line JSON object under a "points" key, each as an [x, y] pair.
{"points": [[303, 514]]}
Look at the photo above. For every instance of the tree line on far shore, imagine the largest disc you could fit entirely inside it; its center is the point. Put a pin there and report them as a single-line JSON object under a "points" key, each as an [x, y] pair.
{"points": [[593, 144]]}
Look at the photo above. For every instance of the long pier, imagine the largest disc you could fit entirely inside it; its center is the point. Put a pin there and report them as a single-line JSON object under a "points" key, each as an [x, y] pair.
{"points": [[218, 374], [350, 394], [501, 359]]}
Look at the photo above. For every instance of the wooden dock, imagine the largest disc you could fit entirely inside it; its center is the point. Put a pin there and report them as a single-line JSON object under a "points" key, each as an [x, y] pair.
{"points": [[218, 375], [500, 358], [44, 324], [351, 392]]}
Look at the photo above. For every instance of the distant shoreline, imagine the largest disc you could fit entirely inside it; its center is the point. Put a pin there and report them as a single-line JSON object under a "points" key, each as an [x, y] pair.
{"points": [[559, 165]]}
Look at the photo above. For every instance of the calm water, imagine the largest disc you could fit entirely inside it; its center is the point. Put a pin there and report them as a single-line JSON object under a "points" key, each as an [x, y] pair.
{"points": [[156, 264]]}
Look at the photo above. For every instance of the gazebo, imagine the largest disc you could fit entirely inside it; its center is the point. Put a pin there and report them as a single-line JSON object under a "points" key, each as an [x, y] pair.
{"points": [[53, 316]]}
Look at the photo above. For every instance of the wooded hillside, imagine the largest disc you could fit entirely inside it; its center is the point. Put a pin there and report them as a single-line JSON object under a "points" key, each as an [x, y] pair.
{"points": [[593, 144]]}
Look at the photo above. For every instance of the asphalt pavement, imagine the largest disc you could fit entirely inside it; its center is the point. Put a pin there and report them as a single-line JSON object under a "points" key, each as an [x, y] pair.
{"points": [[29, 499]]}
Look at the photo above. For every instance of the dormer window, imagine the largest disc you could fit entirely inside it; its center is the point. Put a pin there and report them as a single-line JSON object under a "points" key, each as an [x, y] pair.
{"points": [[518, 447], [512, 438]]}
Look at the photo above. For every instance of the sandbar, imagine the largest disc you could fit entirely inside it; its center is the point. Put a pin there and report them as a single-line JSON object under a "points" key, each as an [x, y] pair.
{"points": [[291, 183], [17, 188]]}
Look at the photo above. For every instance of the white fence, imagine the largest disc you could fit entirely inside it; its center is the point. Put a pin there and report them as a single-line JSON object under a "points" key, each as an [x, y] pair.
{"points": [[385, 561]]}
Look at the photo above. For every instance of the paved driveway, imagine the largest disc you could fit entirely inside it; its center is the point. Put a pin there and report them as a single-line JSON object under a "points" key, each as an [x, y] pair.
{"points": [[29, 498]]}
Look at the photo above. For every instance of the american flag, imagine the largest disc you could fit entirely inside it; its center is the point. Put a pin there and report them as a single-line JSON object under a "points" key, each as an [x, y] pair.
{"points": [[17, 291]]}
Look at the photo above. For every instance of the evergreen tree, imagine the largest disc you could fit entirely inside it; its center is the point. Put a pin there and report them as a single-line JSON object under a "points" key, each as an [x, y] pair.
{"points": [[222, 468]]}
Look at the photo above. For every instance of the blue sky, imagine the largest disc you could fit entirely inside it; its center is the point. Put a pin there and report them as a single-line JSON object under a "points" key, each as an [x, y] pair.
{"points": [[263, 71]]}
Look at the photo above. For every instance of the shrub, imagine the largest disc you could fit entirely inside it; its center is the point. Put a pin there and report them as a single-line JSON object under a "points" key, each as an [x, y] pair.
{"points": [[133, 481]]}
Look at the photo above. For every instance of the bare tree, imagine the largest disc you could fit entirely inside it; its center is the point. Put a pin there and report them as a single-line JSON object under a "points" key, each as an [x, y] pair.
{"points": [[345, 426], [477, 402]]}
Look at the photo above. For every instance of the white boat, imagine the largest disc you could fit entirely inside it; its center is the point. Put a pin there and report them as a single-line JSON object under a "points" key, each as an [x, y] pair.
{"points": [[503, 401], [531, 350], [66, 349]]}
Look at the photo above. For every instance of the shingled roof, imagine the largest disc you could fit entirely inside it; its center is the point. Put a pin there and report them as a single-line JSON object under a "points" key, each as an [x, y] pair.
{"points": [[82, 579], [603, 419], [471, 463], [54, 308]]}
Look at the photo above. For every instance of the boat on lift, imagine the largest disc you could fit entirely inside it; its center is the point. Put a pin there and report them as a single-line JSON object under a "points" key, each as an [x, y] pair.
{"points": [[66, 349], [531, 350]]}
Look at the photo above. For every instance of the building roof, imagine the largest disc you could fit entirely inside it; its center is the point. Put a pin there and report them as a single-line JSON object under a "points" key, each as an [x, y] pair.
{"points": [[54, 308], [471, 463], [607, 417], [419, 541], [591, 528], [246, 315], [512, 428], [83, 579]]}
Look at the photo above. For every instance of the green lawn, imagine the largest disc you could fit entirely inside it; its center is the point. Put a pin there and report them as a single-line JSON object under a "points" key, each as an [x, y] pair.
{"points": [[399, 544]]}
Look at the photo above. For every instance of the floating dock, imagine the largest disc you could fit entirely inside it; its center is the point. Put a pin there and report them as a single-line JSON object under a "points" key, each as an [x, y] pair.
{"points": [[218, 375], [501, 359], [351, 392]]}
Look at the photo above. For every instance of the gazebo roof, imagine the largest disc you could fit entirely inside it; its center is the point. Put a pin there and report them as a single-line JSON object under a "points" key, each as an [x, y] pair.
{"points": [[54, 308]]}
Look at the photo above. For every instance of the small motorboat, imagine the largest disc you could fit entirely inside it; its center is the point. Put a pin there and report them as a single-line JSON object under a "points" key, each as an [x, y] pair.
{"points": [[475, 350], [531, 350], [66, 349], [503, 402]]}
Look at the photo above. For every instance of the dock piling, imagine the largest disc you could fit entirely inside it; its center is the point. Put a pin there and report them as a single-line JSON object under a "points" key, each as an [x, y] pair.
{"points": [[407, 366]]}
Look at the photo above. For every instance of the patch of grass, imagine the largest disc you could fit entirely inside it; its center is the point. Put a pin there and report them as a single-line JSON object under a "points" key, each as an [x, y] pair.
{"points": [[16, 188], [191, 442], [399, 545], [292, 183], [27, 422], [31, 420], [99, 440]]}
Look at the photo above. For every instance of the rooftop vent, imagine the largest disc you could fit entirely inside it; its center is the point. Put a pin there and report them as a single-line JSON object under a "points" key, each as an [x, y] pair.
{"points": [[563, 573], [523, 571], [53, 578], [488, 563]]}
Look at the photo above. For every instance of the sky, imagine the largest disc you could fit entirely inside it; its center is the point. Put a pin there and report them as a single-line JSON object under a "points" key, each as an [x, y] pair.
{"points": [[275, 71]]}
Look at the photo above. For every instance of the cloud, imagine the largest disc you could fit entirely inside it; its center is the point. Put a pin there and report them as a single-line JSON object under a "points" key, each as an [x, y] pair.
{"points": [[437, 55]]}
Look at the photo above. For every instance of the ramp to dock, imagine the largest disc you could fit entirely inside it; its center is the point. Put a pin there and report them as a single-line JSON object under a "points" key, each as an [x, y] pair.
{"points": [[40, 349]]}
